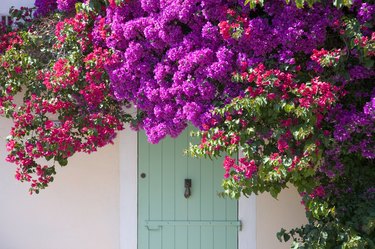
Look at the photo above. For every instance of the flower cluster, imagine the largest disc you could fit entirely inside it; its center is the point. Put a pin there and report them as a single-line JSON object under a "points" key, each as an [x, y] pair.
{"points": [[171, 62], [62, 76], [245, 169], [66, 5], [45, 7], [235, 26], [277, 122], [366, 12], [326, 58], [67, 108], [76, 26], [8, 40], [288, 31], [354, 130], [175, 59]]}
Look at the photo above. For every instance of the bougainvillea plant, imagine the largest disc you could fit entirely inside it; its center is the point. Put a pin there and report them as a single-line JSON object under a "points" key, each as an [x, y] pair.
{"points": [[306, 118], [287, 84], [56, 91]]}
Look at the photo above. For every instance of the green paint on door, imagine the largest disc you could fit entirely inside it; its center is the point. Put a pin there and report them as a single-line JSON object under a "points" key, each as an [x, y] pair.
{"points": [[166, 219]]}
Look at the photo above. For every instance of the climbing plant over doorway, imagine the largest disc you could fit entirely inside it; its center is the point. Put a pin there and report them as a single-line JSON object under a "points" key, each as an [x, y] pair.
{"points": [[290, 83]]}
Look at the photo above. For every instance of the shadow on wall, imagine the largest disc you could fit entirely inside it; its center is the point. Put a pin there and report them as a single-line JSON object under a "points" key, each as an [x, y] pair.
{"points": [[272, 215]]}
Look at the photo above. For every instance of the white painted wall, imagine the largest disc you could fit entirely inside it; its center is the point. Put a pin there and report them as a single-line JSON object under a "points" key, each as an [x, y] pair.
{"points": [[272, 215], [247, 237], [128, 189], [6, 4]]}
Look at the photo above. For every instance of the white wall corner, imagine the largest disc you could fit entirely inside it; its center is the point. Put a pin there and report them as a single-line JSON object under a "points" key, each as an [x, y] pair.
{"points": [[128, 188], [247, 215]]}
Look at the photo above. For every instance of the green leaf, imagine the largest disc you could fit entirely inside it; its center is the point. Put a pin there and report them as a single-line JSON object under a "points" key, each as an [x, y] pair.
{"points": [[63, 161], [337, 3], [368, 62], [288, 108], [286, 237], [299, 3], [281, 234]]}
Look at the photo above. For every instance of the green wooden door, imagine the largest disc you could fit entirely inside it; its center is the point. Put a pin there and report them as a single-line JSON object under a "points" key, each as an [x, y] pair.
{"points": [[166, 219]]}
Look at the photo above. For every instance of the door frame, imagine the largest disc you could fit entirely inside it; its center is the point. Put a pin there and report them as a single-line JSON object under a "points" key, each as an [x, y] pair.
{"points": [[128, 161]]}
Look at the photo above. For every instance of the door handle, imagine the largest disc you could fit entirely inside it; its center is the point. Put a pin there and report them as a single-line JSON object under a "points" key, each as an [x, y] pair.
{"points": [[187, 193], [153, 227]]}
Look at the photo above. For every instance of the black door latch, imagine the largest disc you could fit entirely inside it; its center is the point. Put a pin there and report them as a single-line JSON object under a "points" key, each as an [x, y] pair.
{"points": [[187, 193]]}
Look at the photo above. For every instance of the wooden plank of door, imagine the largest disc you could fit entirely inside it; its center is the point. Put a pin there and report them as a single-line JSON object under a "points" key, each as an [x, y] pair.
{"points": [[181, 233], [155, 192], [194, 207], [220, 207], [169, 186], [143, 187], [207, 205]]}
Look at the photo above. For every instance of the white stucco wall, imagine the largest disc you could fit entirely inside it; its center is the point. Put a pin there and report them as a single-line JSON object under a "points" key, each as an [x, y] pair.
{"points": [[272, 215]]}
